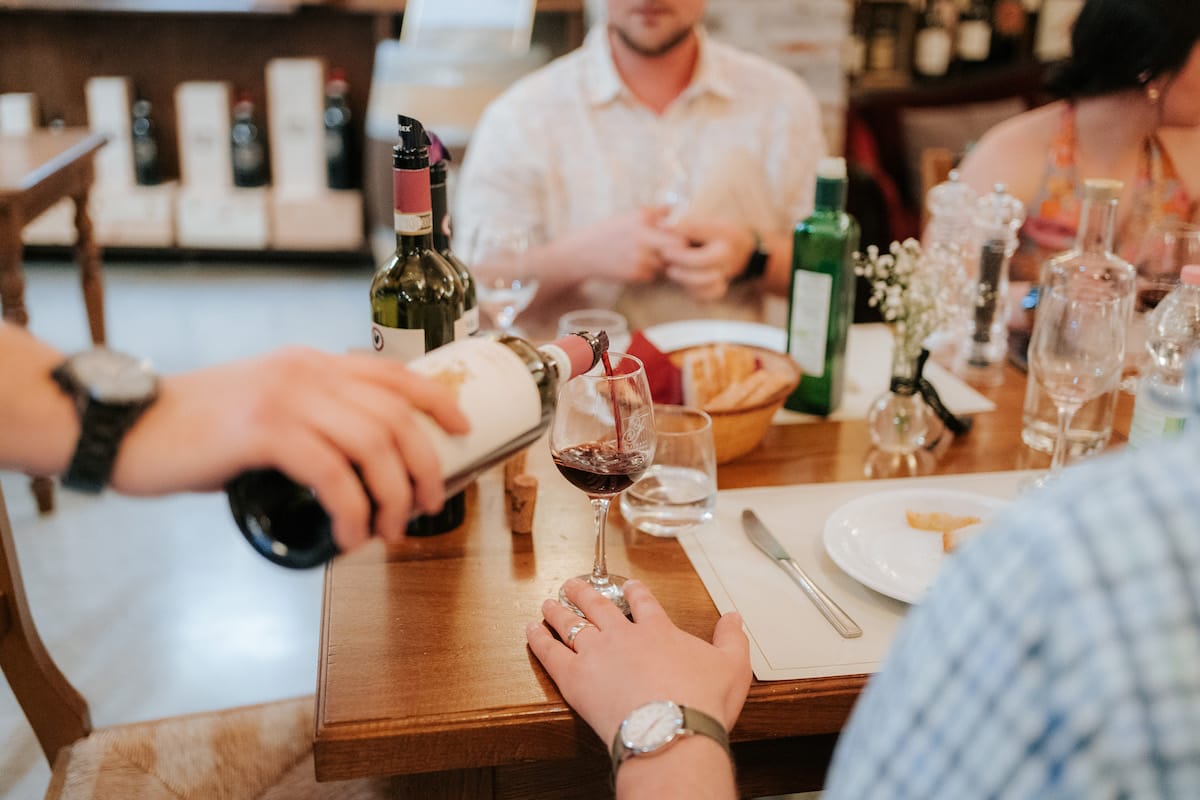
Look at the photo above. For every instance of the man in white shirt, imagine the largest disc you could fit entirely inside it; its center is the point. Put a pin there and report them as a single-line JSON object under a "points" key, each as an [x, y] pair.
{"points": [[652, 156]]}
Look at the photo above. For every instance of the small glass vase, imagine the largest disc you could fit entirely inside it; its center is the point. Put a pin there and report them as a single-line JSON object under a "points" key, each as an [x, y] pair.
{"points": [[900, 421]]}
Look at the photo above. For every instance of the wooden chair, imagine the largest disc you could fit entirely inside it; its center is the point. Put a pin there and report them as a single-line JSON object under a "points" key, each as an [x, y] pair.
{"points": [[262, 751]]}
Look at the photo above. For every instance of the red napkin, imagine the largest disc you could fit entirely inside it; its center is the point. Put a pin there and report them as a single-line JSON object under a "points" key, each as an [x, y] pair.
{"points": [[665, 379]]}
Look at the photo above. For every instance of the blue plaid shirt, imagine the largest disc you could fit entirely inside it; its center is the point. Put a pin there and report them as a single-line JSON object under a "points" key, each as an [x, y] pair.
{"points": [[1059, 657]]}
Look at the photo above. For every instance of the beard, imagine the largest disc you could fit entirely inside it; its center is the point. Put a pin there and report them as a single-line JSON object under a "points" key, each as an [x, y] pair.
{"points": [[653, 49]]}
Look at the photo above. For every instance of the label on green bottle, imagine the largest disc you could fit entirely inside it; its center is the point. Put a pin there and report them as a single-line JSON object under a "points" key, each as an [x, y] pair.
{"points": [[401, 344], [812, 293]]}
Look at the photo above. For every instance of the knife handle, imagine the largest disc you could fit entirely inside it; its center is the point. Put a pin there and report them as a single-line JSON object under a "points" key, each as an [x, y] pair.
{"points": [[838, 618]]}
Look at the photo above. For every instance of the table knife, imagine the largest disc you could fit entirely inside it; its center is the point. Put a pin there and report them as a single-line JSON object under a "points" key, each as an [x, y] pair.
{"points": [[762, 538]]}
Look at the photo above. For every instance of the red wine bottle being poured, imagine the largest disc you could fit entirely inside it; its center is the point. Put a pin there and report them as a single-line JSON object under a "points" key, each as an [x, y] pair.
{"points": [[505, 387]]}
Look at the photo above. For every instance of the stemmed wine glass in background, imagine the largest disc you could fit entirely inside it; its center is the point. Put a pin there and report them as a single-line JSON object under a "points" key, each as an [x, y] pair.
{"points": [[504, 283], [1164, 251], [602, 440], [1076, 351]]}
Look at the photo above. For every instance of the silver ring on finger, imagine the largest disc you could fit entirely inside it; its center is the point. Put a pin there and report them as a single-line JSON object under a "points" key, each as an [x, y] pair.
{"points": [[574, 631]]}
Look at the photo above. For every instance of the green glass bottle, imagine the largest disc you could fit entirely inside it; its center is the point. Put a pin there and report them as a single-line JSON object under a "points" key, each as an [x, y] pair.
{"points": [[821, 296], [416, 297], [439, 156]]}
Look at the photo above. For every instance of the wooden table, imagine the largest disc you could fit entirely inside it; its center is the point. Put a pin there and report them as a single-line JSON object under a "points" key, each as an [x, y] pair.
{"points": [[36, 171], [424, 672]]}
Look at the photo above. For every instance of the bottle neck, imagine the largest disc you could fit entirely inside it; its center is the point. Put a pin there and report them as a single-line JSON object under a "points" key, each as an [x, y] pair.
{"points": [[831, 195], [441, 226], [1097, 225], [413, 209]]}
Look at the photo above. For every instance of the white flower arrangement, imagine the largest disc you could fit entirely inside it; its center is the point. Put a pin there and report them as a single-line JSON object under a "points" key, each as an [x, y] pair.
{"points": [[913, 295]]}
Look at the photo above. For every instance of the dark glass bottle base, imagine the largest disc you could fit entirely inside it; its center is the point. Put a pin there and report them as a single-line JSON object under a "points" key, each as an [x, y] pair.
{"points": [[446, 520], [281, 520]]}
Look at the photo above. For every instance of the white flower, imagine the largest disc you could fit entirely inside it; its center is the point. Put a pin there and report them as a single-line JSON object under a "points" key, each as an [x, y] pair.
{"points": [[909, 290]]}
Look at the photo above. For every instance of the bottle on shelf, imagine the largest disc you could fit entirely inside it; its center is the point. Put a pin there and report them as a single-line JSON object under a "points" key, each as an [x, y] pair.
{"points": [[821, 295], [974, 39], [416, 296], [1010, 21], [1163, 405], [144, 138], [933, 46], [284, 521], [249, 154], [998, 219], [884, 42], [854, 54], [439, 157], [339, 158], [1091, 256]]}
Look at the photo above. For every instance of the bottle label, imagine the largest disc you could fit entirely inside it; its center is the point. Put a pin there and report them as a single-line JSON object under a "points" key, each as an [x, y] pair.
{"points": [[467, 324], [400, 344], [414, 206], [478, 371], [1152, 423], [974, 40], [808, 328]]}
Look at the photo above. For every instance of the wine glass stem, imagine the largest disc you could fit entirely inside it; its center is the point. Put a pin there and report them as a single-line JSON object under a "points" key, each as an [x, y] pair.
{"points": [[1065, 415], [600, 566]]}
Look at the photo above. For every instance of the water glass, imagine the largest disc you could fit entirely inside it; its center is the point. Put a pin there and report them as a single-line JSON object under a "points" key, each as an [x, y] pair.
{"points": [[679, 491], [594, 320]]}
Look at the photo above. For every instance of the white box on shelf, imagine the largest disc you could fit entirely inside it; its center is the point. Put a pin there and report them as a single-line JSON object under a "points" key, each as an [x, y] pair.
{"points": [[330, 220], [225, 219], [18, 113], [202, 119], [55, 227], [109, 100], [135, 216], [295, 124]]}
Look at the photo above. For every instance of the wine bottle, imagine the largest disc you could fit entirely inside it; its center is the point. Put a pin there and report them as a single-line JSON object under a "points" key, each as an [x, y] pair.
{"points": [[975, 33], [821, 296], [284, 521], [249, 158], [338, 157], [439, 157], [145, 146], [933, 46], [416, 297]]}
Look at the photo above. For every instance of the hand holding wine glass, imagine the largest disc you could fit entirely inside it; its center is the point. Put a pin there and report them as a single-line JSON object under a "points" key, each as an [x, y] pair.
{"points": [[1076, 351], [602, 441], [504, 283]]}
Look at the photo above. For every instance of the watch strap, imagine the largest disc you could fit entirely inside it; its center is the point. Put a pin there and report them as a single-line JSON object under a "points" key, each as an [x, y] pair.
{"points": [[101, 430], [756, 264], [695, 722]]}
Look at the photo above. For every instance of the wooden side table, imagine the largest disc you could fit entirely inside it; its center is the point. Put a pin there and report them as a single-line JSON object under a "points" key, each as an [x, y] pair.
{"points": [[36, 171]]}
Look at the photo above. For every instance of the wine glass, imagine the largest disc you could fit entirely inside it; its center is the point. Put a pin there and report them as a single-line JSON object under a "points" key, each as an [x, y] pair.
{"points": [[1162, 254], [602, 440], [504, 283], [1076, 351]]}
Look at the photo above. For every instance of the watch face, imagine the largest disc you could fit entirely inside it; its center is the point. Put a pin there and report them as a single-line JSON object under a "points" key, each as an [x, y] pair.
{"points": [[113, 377], [651, 726]]}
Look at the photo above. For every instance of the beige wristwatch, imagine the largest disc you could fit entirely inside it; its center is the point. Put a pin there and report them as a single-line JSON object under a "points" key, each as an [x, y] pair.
{"points": [[650, 728]]}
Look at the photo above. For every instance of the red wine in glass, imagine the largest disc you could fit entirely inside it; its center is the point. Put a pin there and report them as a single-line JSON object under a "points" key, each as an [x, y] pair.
{"points": [[600, 469]]}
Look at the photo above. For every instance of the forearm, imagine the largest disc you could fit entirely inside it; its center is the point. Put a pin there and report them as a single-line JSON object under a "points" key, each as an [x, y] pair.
{"points": [[695, 767], [38, 422], [778, 276]]}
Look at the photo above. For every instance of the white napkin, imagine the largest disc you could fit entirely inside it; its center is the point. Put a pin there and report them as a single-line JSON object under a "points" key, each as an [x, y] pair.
{"points": [[789, 639]]}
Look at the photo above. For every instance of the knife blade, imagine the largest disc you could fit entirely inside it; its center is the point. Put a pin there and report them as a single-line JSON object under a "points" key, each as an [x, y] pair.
{"points": [[765, 541]]}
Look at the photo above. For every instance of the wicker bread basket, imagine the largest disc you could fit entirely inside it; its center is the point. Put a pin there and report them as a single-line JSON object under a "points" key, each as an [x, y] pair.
{"points": [[738, 431]]}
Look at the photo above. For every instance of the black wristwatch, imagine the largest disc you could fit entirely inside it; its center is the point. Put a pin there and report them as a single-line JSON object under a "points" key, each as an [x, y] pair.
{"points": [[110, 390], [650, 728], [756, 265]]}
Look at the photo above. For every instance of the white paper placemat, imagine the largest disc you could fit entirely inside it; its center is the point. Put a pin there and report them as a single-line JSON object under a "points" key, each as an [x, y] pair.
{"points": [[868, 364], [789, 639]]}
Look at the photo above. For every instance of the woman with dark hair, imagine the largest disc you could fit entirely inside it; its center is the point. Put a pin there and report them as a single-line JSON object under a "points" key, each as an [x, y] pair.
{"points": [[1130, 110]]}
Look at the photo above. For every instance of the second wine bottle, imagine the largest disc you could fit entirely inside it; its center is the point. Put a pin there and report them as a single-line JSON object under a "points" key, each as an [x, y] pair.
{"points": [[416, 296]]}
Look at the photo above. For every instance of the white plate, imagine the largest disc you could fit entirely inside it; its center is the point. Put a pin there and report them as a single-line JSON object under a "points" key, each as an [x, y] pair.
{"points": [[869, 538], [686, 333]]}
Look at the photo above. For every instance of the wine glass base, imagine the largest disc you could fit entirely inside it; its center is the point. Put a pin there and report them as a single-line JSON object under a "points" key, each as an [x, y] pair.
{"points": [[1035, 483], [612, 588]]}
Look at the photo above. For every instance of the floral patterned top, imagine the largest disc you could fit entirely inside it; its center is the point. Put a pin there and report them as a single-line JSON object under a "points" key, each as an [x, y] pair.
{"points": [[1054, 214]]}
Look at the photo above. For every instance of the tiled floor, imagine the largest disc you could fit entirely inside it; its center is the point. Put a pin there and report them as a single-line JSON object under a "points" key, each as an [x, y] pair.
{"points": [[158, 607]]}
